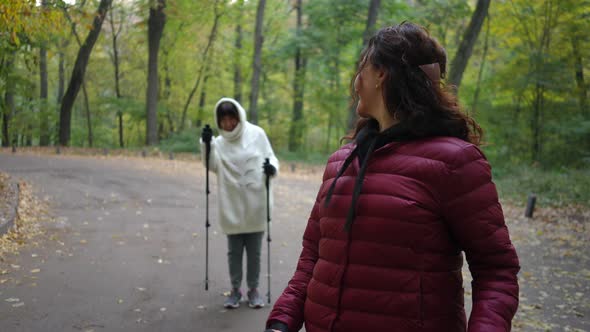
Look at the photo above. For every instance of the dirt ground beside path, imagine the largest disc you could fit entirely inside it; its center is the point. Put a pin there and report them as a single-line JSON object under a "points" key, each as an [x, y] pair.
{"points": [[555, 268], [159, 199]]}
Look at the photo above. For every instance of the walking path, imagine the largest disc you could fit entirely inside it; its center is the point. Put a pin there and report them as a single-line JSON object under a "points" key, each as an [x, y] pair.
{"points": [[126, 252]]}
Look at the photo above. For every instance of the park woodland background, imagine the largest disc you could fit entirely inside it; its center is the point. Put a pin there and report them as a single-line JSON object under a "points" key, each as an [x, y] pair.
{"points": [[136, 74]]}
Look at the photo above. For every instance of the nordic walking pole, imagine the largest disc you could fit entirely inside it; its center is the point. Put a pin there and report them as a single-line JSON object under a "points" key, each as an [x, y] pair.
{"points": [[267, 162], [207, 225]]}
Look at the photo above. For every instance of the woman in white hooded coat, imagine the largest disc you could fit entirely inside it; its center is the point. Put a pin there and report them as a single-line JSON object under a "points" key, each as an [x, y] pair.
{"points": [[237, 157]]}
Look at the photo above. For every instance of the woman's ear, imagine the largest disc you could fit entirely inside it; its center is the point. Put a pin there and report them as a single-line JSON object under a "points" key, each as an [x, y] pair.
{"points": [[381, 76]]}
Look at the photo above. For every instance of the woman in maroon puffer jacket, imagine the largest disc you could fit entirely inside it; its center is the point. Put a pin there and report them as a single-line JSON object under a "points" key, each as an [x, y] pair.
{"points": [[382, 250]]}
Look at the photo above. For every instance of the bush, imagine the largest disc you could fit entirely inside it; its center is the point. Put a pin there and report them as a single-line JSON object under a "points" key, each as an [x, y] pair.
{"points": [[552, 187], [185, 141]]}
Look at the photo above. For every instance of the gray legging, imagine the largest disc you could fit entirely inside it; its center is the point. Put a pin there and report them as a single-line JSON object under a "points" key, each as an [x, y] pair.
{"points": [[235, 245]]}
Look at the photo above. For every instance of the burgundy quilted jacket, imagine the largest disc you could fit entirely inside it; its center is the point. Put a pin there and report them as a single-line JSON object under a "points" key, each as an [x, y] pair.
{"points": [[422, 203]]}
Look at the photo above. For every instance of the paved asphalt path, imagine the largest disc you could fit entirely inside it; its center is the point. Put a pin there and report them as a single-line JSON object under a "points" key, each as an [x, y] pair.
{"points": [[127, 249], [126, 252]]}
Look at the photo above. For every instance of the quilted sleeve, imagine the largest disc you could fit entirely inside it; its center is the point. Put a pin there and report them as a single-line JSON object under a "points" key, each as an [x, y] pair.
{"points": [[476, 221], [289, 307]]}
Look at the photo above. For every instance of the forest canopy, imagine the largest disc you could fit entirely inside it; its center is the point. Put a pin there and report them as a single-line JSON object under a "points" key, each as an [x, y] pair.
{"points": [[131, 73]]}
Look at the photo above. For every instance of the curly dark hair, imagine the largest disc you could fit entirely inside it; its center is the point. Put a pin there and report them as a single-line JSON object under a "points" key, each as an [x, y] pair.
{"points": [[427, 107]]}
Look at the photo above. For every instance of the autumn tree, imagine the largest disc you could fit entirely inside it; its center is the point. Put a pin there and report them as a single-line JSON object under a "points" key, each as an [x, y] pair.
{"points": [[77, 76], [156, 23]]}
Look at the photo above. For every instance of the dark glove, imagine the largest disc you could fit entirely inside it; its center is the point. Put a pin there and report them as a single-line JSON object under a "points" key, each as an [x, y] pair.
{"points": [[269, 169], [206, 134], [277, 325]]}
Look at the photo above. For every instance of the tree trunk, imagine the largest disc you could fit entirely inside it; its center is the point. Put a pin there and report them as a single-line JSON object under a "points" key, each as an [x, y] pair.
{"points": [[204, 63], [167, 91], [115, 35], [333, 87], [88, 115], [238, 55], [538, 60], [466, 46], [536, 121], [5, 120], [369, 31], [8, 109], [371, 21], [44, 116], [61, 73], [582, 89], [65, 116], [481, 66], [84, 90], [296, 129], [156, 22], [29, 136], [61, 77], [256, 61], [202, 101], [60, 82]]}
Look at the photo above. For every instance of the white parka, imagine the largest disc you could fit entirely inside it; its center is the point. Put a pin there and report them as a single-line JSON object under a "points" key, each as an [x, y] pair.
{"points": [[237, 158]]}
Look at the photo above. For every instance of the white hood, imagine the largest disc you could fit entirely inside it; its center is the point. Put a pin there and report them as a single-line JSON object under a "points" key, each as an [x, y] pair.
{"points": [[237, 132]]}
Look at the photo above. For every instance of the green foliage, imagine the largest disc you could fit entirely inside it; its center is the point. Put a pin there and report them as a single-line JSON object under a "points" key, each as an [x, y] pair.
{"points": [[312, 158], [558, 187], [529, 101], [529, 105], [185, 141]]}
